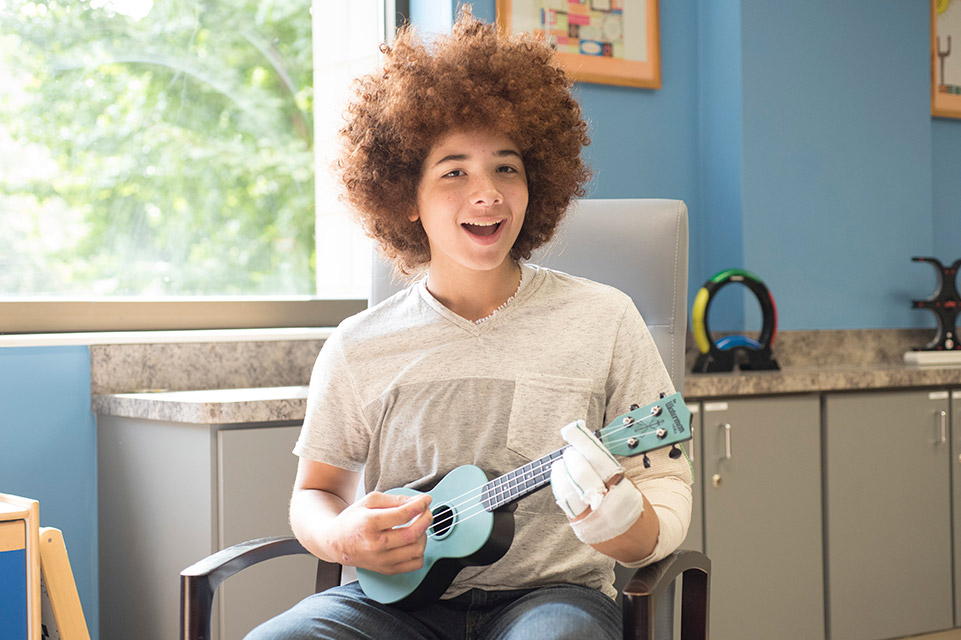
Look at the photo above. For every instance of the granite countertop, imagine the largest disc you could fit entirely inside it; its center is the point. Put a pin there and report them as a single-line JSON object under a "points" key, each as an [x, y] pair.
{"points": [[821, 361], [214, 406], [811, 362], [273, 404], [818, 379]]}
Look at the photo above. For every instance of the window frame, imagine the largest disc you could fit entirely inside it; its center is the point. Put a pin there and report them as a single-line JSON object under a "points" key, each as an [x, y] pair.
{"points": [[32, 316], [81, 315]]}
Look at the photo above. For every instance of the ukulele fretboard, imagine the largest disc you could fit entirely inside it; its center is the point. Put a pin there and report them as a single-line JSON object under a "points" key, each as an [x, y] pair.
{"points": [[518, 483]]}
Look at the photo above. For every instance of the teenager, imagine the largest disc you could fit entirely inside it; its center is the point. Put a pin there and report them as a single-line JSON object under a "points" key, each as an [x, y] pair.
{"points": [[460, 157]]}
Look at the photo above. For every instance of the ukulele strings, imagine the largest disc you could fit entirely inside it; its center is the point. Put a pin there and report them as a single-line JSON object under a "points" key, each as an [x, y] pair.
{"points": [[504, 488], [476, 507]]}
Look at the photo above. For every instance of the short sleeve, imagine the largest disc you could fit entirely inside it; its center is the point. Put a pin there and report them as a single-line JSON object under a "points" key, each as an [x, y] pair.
{"points": [[637, 374], [335, 431]]}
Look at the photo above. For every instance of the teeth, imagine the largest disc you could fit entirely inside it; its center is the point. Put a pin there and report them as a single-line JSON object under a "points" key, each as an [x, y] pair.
{"points": [[483, 224]]}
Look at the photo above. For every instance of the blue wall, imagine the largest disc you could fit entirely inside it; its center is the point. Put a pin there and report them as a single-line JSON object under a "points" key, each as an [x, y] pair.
{"points": [[947, 189], [798, 133], [838, 159], [801, 138], [48, 451]]}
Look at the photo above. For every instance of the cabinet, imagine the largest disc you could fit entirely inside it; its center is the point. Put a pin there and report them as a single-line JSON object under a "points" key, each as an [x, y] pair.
{"points": [[762, 517], [172, 493], [888, 511], [695, 532], [956, 487]]}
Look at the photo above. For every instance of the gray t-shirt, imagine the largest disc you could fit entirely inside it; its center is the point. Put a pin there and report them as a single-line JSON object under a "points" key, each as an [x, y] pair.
{"points": [[412, 390]]}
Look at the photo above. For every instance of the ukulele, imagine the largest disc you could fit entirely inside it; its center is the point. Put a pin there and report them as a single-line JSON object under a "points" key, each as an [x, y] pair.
{"points": [[472, 520]]}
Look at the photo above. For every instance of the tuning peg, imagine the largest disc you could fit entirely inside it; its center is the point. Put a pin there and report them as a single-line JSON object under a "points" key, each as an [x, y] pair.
{"points": [[647, 462], [675, 452], [635, 407], [661, 395]]}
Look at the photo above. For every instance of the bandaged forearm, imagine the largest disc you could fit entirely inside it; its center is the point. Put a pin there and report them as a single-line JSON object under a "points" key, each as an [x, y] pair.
{"points": [[579, 481], [671, 501]]}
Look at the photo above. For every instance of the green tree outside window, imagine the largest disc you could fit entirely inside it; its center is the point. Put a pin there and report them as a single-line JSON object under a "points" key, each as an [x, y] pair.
{"points": [[156, 148]]}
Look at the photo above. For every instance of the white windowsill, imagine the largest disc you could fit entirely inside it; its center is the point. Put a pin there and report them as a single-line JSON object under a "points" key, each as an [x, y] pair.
{"points": [[158, 337]]}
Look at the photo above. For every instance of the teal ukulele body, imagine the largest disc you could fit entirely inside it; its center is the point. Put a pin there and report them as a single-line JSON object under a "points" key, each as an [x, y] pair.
{"points": [[454, 544], [473, 522]]}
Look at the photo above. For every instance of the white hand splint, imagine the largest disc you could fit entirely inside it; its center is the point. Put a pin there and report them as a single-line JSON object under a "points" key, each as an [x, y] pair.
{"points": [[579, 479]]}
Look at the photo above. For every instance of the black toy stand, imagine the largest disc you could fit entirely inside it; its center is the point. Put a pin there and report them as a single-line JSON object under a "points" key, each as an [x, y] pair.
{"points": [[945, 303]]}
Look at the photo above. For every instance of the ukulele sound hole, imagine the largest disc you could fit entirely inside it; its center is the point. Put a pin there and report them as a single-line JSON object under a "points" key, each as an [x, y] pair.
{"points": [[443, 521]]}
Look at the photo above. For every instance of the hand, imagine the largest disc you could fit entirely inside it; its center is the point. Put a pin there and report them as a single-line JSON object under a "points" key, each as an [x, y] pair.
{"points": [[370, 533], [590, 487]]}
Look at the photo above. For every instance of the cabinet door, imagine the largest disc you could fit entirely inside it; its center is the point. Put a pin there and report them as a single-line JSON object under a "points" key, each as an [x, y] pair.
{"points": [[695, 533], [256, 474], [762, 517], [955, 464], [888, 509], [154, 504]]}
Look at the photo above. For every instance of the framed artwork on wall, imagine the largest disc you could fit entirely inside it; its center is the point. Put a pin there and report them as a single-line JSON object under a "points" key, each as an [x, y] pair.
{"points": [[601, 41], [946, 58]]}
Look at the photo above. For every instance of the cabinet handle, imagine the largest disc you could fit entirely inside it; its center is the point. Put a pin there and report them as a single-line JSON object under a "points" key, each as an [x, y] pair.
{"points": [[942, 418], [691, 446], [727, 440]]}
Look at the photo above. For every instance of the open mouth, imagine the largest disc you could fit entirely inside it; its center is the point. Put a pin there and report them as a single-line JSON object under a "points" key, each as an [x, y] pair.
{"points": [[482, 229]]}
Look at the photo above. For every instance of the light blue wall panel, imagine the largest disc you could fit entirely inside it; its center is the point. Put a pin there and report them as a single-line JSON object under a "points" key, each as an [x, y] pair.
{"points": [[431, 16], [48, 450], [717, 228], [837, 159], [947, 189]]}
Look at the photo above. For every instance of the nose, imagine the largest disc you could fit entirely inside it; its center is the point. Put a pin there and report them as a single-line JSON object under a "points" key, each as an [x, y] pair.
{"points": [[486, 191]]}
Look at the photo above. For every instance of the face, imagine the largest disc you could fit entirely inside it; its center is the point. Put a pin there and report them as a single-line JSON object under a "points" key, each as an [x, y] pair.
{"points": [[471, 200]]}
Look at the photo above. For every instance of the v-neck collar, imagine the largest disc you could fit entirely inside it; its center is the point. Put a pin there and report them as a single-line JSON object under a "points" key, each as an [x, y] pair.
{"points": [[530, 278]]}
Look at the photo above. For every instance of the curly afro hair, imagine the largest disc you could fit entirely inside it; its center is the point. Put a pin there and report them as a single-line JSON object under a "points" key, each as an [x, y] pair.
{"points": [[473, 79]]}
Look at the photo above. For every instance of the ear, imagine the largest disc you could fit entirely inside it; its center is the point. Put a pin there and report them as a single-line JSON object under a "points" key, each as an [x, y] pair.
{"points": [[413, 215]]}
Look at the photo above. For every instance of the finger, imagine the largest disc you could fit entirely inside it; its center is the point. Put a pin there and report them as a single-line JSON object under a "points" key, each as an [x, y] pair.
{"points": [[392, 512], [409, 532], [414, 532], [403, 557], [566, 495], [577, 434], [379, 500], [402, 561], [584, 477]]}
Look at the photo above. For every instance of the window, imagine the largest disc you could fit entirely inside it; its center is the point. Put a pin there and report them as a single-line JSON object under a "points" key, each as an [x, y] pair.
{"points": [[165, 150]]}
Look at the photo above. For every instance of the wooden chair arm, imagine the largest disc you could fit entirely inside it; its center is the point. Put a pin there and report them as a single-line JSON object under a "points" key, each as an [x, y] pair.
{"points": [[648, 585]]}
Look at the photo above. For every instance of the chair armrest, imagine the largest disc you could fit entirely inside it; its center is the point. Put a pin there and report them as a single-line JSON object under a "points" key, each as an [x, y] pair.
{"points": [[199, 581], [648, 585]]}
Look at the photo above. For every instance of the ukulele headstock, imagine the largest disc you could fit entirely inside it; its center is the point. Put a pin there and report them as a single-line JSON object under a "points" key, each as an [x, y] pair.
{"points": [[663, 423]]}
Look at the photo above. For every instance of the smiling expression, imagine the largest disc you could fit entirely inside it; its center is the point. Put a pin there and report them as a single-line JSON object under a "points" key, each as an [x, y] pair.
{"points": [[471, 200]]}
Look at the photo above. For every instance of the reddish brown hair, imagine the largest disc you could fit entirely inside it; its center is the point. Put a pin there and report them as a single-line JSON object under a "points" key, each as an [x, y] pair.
{"points": [[474, 78]]}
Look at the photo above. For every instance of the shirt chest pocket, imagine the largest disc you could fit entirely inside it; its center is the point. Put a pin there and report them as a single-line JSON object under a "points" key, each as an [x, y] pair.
{"points": [[542, 405]]}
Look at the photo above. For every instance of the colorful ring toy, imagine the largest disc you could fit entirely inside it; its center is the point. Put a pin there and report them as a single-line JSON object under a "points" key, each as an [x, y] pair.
{"points": [[721, 355]]}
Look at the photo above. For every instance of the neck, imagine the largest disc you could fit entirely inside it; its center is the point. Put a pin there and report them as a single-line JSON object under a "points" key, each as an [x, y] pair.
{"points": [[520, 482], [474, 294]]}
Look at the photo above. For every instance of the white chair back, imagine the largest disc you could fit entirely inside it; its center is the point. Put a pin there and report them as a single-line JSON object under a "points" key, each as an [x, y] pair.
{"points": [[639, 246]]}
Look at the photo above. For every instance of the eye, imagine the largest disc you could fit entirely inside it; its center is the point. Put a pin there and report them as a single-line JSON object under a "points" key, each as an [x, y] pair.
{"points": [[507, 169], [456, 173]]}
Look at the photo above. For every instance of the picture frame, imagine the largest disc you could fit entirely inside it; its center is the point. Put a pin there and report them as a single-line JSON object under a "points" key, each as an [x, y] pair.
{"points": [[946, 58], [613, 42]]}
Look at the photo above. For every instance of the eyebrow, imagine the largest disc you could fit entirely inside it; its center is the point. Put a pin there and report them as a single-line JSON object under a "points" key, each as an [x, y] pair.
{"points": [[460, 157]]}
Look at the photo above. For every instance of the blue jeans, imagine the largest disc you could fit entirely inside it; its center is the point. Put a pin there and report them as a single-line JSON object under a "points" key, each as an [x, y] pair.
{"points": [[562, 612]]}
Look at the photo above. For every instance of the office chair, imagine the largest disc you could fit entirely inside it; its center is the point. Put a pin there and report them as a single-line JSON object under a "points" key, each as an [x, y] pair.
{"points": [[638, 246]]}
